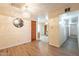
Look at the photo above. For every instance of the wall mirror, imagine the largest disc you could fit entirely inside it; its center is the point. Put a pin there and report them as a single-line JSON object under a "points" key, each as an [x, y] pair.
{"points": [[18, 22]]}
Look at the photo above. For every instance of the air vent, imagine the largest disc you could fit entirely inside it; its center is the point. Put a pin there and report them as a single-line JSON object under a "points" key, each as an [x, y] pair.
{"points": [[67, 9]]}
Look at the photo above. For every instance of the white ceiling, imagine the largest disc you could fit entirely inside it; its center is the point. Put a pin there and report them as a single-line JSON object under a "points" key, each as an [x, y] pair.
{"points": [[43, 9], [35, 8], [49, 8], [52, 9]]}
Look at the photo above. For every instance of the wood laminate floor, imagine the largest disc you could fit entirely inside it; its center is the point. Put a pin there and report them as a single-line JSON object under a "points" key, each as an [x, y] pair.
{"points": [[35, 48]]}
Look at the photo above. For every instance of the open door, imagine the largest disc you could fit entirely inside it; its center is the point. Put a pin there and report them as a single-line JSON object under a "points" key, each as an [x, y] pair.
{"points": [[33, 30], [45, 29]]}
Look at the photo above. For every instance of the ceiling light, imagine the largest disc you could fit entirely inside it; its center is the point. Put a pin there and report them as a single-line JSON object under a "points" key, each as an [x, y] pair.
{"points": [[26, 15]]}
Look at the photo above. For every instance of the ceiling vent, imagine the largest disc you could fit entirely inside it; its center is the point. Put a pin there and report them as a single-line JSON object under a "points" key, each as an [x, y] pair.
{"points": [[67, 10]]}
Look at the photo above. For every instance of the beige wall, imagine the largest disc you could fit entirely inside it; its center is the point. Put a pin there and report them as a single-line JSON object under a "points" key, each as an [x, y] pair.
{"points": [[9, 34], [53, 32], [12, 36]]}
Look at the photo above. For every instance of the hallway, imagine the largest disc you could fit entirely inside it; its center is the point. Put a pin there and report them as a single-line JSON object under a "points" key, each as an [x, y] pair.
{"points": [[47, 25], [71, 45], [44, 38]]}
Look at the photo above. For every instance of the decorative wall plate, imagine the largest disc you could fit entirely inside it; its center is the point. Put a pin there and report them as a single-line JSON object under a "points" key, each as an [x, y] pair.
{"points": [[18, 22]]}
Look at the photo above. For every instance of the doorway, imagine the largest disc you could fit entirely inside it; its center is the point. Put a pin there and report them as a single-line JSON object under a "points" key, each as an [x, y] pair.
{"points": [[70, 37], [45, 29], [43, 32], [73, 28], [33, 30]]}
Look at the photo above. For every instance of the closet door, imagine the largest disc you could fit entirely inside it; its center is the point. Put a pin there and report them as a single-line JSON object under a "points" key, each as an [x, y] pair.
{"points": [[74, 27]]}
